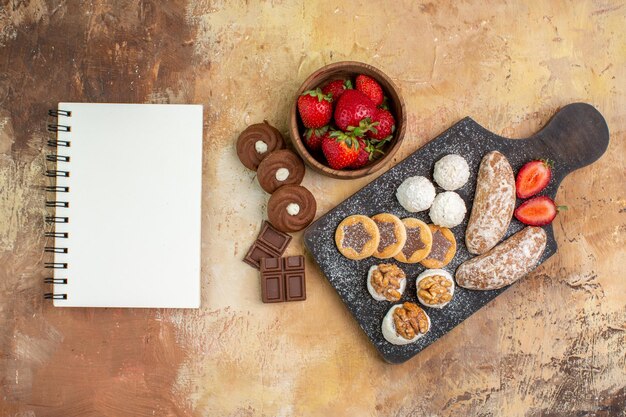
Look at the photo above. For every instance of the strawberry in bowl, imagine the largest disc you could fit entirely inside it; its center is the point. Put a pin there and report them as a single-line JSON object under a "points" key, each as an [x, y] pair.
{"points": [[367, 119]]}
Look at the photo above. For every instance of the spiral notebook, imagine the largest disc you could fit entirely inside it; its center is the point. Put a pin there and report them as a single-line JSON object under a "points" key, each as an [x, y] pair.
{"points": [[126, 196]]}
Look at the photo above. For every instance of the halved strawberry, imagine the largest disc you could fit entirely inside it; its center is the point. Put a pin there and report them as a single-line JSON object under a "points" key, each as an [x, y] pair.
{"points": [[537, 211], [371, 88], [533, 177], [335, 88]]}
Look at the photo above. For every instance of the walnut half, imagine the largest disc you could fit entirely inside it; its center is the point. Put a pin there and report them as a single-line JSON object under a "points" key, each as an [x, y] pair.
{"points": [[386, 281], [410, 320]]}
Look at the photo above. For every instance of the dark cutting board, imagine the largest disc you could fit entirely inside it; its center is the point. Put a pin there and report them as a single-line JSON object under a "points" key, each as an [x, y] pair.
{"points": [[575, 137]]}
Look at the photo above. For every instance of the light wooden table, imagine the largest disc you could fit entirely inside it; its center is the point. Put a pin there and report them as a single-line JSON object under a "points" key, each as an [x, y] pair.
{"points": [[553, 345]]}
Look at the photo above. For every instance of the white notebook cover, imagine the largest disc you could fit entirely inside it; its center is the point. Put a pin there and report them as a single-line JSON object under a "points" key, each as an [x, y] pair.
{"points": [[134, 198]]}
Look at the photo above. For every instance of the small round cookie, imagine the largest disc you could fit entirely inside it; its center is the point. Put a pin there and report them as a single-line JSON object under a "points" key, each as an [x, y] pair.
{"points": [[256, 142], [448, 209], [435, 288], [357, 237], [451, 172], [386, 282], [419, 240], [443, 247], [405, 323], [416, 194], [392, 235], [291, 208], [280, 168]]}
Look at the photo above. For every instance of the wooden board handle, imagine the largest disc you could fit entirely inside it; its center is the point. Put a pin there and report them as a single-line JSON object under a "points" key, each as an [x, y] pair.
{"points": [[577, 134]]}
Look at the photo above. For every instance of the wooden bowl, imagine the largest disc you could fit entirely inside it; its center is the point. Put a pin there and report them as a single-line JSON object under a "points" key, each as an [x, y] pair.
{"points": [[348, 69]]}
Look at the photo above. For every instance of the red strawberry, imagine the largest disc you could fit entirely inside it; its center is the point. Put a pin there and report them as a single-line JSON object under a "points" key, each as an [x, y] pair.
{"points": [[315, 108], [383, 123], [368, 151], [537, 211], [363, 156], [533, 177], [340, 150], [313, 138], [352, 107], [369, 87], [335, 89]]}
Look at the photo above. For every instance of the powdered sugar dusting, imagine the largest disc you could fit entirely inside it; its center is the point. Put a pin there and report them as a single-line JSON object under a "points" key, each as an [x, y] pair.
{"points": [[506, 263], [493, 205], [348, 277]]}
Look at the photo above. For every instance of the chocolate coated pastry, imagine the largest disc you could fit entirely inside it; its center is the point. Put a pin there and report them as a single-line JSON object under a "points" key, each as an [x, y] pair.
{"points": [[291, 208], [280, 168], [256, 142]]}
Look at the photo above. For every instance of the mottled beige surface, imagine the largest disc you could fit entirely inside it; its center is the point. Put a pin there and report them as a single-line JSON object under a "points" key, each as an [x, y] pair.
{"points": [[554, 345]]}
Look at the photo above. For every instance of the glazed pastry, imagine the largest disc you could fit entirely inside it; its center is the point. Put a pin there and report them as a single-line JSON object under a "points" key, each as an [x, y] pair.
{"points": [[419, 240], [493, 205], [443, 248], [448, 209], [357, 237], [435, 288], [504, 264], [386, 282], [256, 142], [405, 323], [392, 235], [280, 168], [291, 208]]}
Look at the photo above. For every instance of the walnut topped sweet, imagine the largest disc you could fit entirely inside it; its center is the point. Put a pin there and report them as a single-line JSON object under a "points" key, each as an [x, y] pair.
{"points": [[435, 288], [386, 282], [405, 323]]}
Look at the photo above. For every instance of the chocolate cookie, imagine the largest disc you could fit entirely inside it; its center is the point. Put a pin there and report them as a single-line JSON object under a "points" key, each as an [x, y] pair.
{"points": [[443, 248], [357, 237], [280, 168], [291, 208], [392, 235], [419, 240], [256, 142]]}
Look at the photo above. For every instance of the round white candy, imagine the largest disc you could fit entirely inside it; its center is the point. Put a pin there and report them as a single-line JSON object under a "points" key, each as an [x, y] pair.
{"points": [[282, 174], [430, 273], [451, 172], [293, 209], [448, 209], [260, 146], [376, 295], [416, 194], [389, 329]]}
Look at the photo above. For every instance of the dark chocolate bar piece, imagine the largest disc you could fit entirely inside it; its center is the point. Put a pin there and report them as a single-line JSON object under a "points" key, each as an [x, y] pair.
{"points": [[271, 243], [283, 279]]}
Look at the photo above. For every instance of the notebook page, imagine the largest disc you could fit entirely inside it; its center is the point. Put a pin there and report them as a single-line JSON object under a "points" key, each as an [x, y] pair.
{"points": [[135, 198]]}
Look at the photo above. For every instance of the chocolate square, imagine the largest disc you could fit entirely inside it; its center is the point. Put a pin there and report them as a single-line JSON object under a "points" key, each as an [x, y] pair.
{"points": [[256, 253], [294, 263], [283, 279], [295, 286], [274, 238], [272, 288], [270, 243]]}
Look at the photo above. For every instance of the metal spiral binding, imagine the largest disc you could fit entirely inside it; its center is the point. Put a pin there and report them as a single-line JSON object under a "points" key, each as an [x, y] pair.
{"points": [[55, 204], [57, 158], [53, 296]]}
